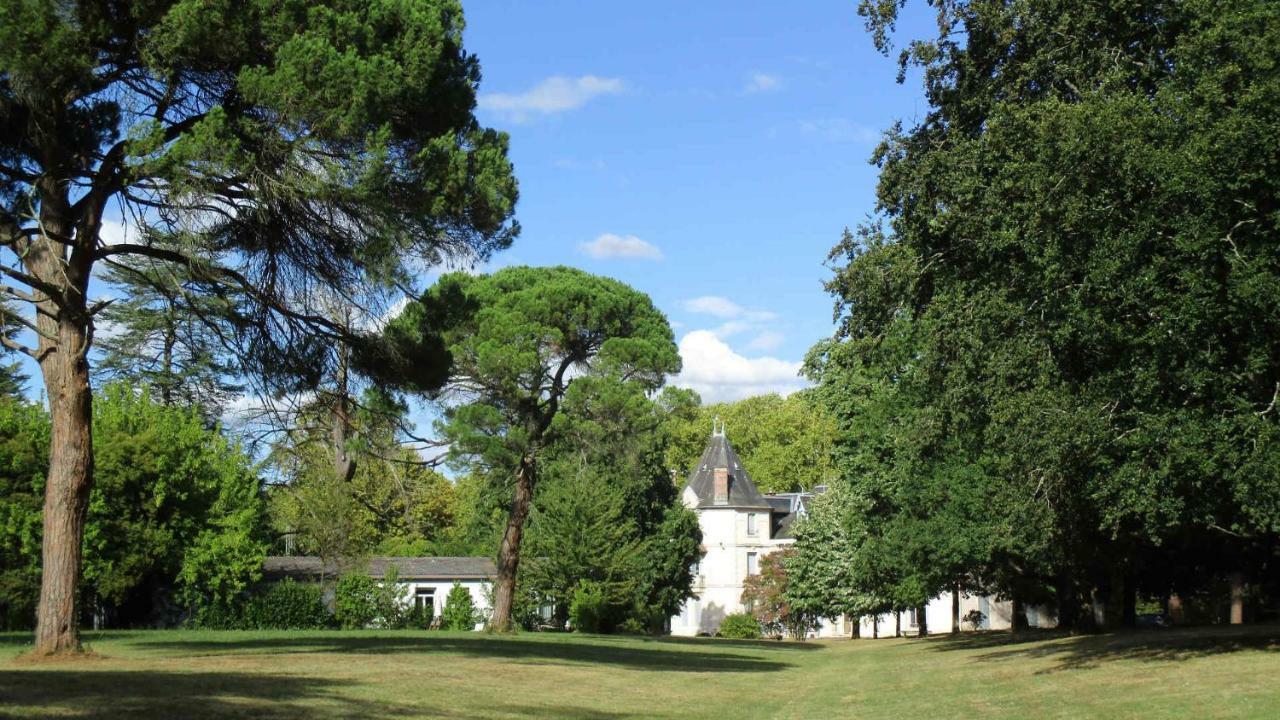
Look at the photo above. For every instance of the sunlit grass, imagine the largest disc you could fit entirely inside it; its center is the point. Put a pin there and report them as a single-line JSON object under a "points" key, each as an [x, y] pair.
{"points": [[1207, 673]]}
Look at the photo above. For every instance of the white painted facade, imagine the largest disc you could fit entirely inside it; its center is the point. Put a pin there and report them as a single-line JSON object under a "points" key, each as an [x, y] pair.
{"points": [[433, 593], [993, 614], [737, 534]]}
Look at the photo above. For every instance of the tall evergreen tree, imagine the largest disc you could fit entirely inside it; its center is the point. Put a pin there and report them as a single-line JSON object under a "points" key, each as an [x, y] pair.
{"points": [[519, 339], [283, 150], [165, 333]]}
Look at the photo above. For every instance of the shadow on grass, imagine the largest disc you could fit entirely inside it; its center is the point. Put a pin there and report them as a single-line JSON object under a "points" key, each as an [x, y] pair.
{"points": [[141, 694], [1081, 652], [88, 693], [629, 655]]}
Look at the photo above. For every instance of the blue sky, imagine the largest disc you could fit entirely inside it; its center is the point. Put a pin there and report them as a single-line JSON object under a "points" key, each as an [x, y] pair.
{"points": [[707, 153]]}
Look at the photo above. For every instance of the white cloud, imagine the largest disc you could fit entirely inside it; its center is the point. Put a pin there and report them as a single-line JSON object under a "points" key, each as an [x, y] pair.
{"points": [[629, 247], [767, 340], [722, 307], [114, 232], [554, 95], [719, 374], [731, 328], [762, 82]]}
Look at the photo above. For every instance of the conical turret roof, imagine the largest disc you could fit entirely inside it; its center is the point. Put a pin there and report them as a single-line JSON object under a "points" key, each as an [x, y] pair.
{"points": [[742, 489]]}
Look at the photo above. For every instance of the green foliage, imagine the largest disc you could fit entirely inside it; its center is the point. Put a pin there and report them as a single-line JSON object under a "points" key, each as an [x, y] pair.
{"points": [[459, 612], [168, 337], [286, 605], [592, 607], [175, 506], [785, 443], [521, 340], [393, 504], [356, 600], [606, 511], [1055, 368], [24, 447], [740, 626]]}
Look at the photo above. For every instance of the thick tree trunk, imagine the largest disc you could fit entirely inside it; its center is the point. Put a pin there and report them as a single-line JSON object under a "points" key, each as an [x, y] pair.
{"points": [[1237, 597], [922, 620], [509, 552], [1018, 622], [66, 496], [875, 627], [955, 610], [63, 347], [897, 623]]}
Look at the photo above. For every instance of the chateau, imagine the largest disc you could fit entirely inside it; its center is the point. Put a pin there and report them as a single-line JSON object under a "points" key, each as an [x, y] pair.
{"points": [[740, 525]]}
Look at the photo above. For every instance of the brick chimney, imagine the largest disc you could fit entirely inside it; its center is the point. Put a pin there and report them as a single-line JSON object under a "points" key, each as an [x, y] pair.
{"points": [[721, 485]]}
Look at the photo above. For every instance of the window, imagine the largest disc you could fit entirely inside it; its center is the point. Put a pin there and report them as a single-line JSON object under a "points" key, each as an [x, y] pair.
{"points": [[753, 563], [695, 568], [424, 600], [913, 620], [751, 524]]}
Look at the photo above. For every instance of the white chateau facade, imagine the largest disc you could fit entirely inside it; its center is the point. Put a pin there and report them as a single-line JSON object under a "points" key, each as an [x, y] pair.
{"points": [[740, 526]]}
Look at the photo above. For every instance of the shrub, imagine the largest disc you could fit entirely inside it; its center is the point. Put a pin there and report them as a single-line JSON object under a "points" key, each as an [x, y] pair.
{"points": [[355, 600], [459, 611], [740, 626], [589, 607], [286, 605], [974, 618]]}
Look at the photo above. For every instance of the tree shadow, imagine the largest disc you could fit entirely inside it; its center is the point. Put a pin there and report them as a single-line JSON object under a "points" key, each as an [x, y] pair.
{"points": [[87, 693], [629, 656], [1082, 652], [707, 642]]}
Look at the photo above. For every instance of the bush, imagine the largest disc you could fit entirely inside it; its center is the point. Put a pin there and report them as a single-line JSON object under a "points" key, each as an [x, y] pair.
{"points": [[286, 605], [355, 600], [740, 626], [589, 608], [459, 611]]}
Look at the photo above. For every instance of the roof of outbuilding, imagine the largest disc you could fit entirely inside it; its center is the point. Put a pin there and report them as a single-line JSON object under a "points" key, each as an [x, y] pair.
{"points": [[407, 568], [742, 490]]}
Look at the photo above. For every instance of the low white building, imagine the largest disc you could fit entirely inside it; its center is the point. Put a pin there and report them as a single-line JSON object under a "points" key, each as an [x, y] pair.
{"points": [[426, 580], [740, 526]]}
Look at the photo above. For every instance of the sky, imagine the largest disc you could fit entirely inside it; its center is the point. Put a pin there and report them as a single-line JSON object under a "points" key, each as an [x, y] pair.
{"points": [[707, 153]]}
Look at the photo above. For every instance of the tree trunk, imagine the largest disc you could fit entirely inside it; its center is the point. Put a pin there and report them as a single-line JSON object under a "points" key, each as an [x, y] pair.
{"points": [[1237, 597], [1175, 610], [922, 620], [509, 553], [875, 627], [1018, 622], [66, 495], [955, 610], [897, 623], [63, 347]]}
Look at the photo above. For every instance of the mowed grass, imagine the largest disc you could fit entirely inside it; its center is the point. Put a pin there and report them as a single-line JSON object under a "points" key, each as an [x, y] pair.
{"points": [[1197, 673]]}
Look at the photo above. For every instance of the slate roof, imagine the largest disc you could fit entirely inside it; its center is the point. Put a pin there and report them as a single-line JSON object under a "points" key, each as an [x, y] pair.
{"points": [[409, 568], [742, 490]]}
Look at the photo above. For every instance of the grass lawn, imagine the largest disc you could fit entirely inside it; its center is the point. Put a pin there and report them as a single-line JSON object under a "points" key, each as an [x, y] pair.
{"points": [[1202, 673]]}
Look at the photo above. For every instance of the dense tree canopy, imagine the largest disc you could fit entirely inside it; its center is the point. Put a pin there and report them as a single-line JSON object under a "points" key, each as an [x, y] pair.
{"points": [[1056, 364], [785, 443], [175, 520], [606, 511]]}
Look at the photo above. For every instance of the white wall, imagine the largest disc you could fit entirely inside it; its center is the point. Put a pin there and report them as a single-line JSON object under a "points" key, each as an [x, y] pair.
{"points": [[998, 615], [479, 589], [722, 570]]}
